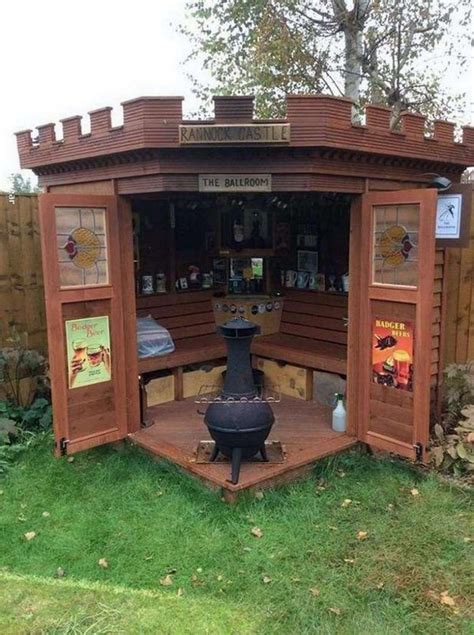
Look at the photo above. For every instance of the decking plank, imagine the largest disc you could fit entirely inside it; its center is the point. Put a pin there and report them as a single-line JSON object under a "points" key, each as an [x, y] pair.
{"points": [[303, 427]]}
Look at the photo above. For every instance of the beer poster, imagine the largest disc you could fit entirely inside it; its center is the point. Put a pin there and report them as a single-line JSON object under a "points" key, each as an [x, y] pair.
{"points": [[88, 351], [392, 353]]}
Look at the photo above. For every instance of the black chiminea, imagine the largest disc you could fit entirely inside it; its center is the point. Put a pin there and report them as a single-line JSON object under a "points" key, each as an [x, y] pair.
{"points": [[239, 419]]}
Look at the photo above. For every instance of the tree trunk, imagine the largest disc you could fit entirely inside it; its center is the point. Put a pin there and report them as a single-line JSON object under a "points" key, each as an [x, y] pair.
{"points": [[353, 62], [352, 24]]}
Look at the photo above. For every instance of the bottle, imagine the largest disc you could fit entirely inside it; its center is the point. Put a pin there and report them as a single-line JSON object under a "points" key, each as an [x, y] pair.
{"points": [[160, 285], [238, 230], [339, 414]]}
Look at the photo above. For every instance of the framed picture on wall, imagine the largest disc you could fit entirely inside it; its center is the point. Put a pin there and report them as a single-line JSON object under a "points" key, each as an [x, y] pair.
{"points": [[453, 216], [308, 261]]}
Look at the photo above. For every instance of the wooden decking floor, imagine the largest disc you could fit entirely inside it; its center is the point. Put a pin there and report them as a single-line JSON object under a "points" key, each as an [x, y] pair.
{"points": [[303, 427]]}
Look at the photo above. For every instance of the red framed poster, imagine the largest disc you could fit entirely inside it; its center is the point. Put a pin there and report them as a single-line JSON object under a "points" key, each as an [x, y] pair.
{"points": [[392, 353]]}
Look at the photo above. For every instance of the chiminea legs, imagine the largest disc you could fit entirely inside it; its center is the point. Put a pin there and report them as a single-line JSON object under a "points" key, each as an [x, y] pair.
{"points": [[215, 452], [236, 460], [263, 452]]}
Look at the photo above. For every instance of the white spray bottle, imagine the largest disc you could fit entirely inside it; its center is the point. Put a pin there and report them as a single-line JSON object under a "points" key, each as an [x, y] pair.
{"points": [[339, 414]]}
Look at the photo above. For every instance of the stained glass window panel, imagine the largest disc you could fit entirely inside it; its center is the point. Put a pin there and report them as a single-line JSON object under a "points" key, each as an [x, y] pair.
{"points": [[81, 243], [395, 245]]}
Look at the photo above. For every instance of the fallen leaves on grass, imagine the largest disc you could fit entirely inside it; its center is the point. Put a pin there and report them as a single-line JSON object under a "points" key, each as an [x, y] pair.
{"points": [[362, 535], [30, 535], [414, 492], [166, 581], [259, 495], [266, 579], [346, 502], [70, 459], [349, 560], [446, 599], [180, 592], [315, 592], [257, 532], [335, 610], [45, 514], [196, 581], [103, 563], [60, 573]]}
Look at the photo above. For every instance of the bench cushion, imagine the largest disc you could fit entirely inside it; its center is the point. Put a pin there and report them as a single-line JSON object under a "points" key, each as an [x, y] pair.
{"points": [[188, 351], [302, 351]]}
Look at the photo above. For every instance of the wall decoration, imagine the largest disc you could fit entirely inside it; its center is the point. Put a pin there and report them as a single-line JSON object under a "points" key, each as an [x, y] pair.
{"points": [[448, 216], [453, 216], [392, 353], [308, 261], [88, 351]]}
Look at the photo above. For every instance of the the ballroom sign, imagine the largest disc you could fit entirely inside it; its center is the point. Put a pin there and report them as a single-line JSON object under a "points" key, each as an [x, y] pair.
{"points": [[235, 182], [234, 134]]}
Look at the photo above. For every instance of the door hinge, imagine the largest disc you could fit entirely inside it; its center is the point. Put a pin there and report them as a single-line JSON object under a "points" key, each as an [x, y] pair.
{"points": [[418, 447], [62, 445]]}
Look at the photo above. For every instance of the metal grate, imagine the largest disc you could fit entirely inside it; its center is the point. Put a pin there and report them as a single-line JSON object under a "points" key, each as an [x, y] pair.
{"points": [[209, 393]]}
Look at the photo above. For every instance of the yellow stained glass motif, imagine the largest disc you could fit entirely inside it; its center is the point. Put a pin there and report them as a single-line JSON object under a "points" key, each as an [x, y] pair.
{"points": [[395, 245], [81, 246]]}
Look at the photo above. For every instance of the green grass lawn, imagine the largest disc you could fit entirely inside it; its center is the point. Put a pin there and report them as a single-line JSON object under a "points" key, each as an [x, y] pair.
{"points": [[308, 573]]}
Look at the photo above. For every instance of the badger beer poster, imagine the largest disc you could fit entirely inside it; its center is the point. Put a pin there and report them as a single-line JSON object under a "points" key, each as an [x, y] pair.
{"points": [[392, 353], [88, 351]]}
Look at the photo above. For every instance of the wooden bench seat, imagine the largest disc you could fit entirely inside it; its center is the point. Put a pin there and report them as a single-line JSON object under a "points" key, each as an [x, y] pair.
{"points": [[188, 351], [302, 351], [190, 320], [313, 332]]}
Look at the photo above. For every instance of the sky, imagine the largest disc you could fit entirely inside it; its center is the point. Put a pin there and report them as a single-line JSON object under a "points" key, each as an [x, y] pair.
{"points": [[65, 58], [60, 59]]}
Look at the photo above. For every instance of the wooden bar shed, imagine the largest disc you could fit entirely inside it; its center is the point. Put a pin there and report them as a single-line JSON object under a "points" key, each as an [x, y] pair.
{"points": [[319, 229]]}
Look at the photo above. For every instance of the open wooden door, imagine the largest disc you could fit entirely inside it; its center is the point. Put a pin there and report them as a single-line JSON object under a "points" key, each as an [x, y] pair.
{"points": [[88, 269], [392, 361]]}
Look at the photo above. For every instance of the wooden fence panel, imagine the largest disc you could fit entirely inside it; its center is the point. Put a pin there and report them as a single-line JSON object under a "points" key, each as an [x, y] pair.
{"points": [[21, 280], [459, 323]]}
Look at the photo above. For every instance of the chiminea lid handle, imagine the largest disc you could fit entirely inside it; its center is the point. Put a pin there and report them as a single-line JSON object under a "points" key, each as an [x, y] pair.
{"points": [[239, 327]]}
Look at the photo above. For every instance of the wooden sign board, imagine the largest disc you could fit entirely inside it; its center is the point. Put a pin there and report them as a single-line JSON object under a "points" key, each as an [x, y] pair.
{"points": [[215, 134], [235, 182]]}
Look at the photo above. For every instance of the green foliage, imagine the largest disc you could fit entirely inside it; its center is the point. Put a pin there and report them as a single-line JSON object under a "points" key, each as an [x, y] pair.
{"points": [[453, 445], [24, 414], [147, 520], [401, 52], [22, 185], [17, 363], [20, 427]]}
